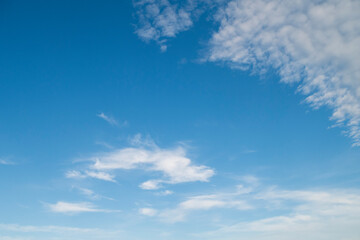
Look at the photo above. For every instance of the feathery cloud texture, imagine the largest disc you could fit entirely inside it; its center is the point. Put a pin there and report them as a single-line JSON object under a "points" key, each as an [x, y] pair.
{"points": [[314, 44], [280, 214], [73, 208]]}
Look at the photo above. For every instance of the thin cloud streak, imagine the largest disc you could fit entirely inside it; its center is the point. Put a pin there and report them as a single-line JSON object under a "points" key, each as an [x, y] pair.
{"points": [[75, 208], [6, 162], [111, 120], [280, 214], [90, 174]]}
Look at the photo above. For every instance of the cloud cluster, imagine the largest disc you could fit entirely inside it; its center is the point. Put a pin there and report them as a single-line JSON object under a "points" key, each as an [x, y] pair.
{"points": [[280, 214], [315, 43], [159, 20], [173, 164], [218, 200], [314, 215]]}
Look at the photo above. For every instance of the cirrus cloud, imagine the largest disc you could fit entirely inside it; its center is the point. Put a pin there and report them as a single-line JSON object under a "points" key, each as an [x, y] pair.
{"points": [[312, 44]]}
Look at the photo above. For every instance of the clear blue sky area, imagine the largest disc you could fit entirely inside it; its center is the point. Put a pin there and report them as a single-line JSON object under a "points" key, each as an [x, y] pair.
{"points": [[103, 135]]}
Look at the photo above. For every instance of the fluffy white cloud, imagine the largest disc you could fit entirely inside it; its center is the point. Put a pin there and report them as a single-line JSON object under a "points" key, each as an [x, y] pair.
{"points": [[315, 43], [148, 211], [173, 164], [73, 208]]}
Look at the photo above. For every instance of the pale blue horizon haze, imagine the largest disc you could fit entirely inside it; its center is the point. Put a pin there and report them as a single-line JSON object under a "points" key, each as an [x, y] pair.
{"points": [[169, 120]]}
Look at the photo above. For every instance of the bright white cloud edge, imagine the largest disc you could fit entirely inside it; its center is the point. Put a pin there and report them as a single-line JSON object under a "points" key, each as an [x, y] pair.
{"points": [[173, 164], [75, 208]]}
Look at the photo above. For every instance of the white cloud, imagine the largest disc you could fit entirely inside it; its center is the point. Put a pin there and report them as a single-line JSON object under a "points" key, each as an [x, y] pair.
{"points": [[104, 144], [139, 141], [173, 164], [29, 228], [314, 43], [108, 119], [204, 203], [165, 193], [101, 175], [6, 162], [275, 214], [92, 195], [73, 208], [151, 185], [98, 175], [162, 19], [297, 214], [56, 232], [148, 211], [74, 174]]}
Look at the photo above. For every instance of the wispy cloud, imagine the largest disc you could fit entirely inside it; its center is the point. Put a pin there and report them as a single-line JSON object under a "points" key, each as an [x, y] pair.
{"points": [[306, 214], [61, 232], [104, 144], [172, 163], [165, 193], [6, 162], [91, 194], [201, 203], [92, 174], [101, 175], [313, 44], [111, 120], [74, 208], [276, 213], [30, 228]]}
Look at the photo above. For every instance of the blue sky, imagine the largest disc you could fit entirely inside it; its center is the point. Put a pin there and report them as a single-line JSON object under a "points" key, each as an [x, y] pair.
{"points": [[158, 119]]}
